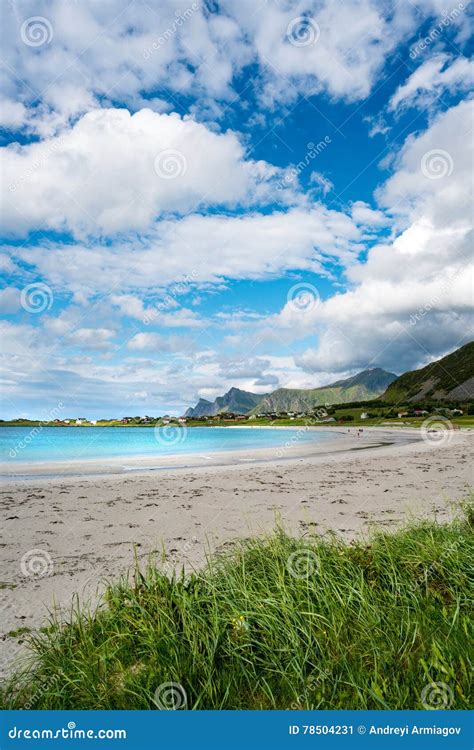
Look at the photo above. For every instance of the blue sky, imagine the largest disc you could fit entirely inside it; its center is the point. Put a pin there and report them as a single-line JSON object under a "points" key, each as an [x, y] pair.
{"points": [[233, 194]]}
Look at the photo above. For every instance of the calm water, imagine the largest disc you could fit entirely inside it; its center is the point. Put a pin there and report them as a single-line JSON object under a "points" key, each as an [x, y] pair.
{"points": [[25, 444]]}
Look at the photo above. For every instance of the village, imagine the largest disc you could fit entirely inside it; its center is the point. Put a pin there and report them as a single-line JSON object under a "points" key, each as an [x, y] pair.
{"points": [[331, 414]]}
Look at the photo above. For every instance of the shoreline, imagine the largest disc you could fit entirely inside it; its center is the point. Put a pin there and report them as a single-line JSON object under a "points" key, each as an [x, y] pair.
{"points": [[368, 438]]}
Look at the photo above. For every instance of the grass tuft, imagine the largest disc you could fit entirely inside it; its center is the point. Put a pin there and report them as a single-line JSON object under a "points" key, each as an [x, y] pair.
{"points": [[275, 623]]}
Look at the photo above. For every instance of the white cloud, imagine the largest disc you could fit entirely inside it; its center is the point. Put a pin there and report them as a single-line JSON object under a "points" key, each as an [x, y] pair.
{"points": [[377, 126], [363, 214], [412, 299], [155, 315], [347, 45], [433, 174], [114, 172], [119, 52], [95, 339], [129, 305], [323, 183], [198, 249], [145, 341], [159, 344], [434, 76], [12, 114]]}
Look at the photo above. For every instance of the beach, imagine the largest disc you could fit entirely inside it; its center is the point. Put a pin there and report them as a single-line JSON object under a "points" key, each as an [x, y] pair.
{"points": [[66, 534]]}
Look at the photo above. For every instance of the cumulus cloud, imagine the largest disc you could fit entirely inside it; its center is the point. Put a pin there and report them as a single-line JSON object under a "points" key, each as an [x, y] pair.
{"points": [[332, 46], [115, 172], [88, 53], [412, 299]]}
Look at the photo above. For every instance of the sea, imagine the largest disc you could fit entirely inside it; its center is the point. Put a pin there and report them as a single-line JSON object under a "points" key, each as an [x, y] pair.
{"points": [[43, 444]]}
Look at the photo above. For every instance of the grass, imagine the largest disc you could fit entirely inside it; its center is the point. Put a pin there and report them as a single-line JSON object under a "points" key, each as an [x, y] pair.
{"points": [[274, 623]]}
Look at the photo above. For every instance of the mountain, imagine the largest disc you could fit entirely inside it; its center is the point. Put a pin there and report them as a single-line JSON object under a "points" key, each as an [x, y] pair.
{"points": [[202, 409], [364, 386], [235, 400], [451, 377]]}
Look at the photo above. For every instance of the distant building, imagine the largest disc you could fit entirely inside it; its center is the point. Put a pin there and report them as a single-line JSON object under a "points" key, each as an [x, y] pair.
{"points": [[364, 415]]}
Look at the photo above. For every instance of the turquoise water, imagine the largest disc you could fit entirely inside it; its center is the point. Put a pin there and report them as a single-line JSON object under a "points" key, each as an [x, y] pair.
{"points": [[27, 444]]}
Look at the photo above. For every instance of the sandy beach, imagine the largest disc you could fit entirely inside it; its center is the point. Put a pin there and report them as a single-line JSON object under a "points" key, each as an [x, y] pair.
{"points": [[64, 534]]}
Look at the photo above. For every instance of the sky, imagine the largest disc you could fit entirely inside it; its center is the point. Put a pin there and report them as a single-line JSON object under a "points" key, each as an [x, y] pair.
{"points": [[249, 193]]}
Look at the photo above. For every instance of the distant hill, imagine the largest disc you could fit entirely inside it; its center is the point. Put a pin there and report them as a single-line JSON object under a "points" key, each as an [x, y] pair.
{"points": [[364, 386], [451, 377], [235, 401]]}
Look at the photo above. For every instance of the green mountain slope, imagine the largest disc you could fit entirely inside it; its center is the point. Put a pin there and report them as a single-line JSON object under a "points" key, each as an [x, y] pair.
{"points": [[364, 386], [451, 377]]}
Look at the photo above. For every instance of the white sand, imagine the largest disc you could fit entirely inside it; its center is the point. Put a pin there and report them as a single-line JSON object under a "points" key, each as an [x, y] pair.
{"points": [[87, 525]]}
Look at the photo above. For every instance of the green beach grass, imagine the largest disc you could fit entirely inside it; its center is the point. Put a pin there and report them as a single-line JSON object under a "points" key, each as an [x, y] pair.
{"points": [[273, 623]]}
